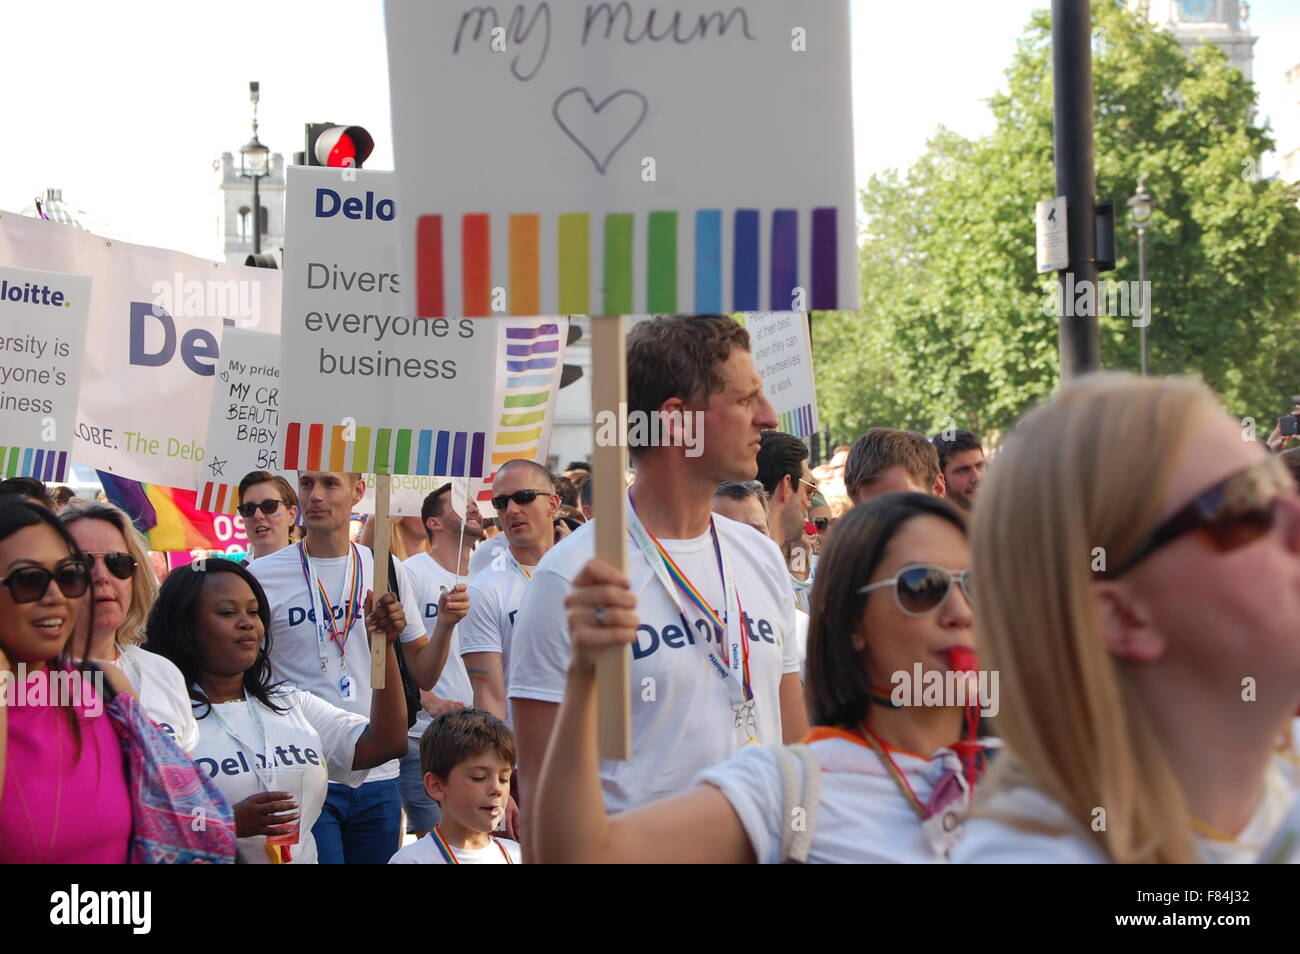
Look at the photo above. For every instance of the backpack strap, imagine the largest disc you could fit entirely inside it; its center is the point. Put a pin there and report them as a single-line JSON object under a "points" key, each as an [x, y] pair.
{"points": [[801, 789]]}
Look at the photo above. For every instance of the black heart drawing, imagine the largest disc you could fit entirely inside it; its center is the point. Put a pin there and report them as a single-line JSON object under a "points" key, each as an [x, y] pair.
{"points": [[600, 164], [225, 376]]}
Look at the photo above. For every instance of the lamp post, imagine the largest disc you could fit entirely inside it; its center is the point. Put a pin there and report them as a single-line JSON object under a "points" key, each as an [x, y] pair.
{"points": [[1139, 209], [253, 161]]}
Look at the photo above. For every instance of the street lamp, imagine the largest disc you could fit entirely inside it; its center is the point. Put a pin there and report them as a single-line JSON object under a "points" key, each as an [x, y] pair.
{"points": [[1140, 207], [253, 164]]}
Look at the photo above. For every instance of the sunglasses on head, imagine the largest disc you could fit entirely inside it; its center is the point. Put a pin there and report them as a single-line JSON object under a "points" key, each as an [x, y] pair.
{"points": [[1236, 511], [268, 506], [923, 588], [121, 565], [30, 583], [521, 497]]}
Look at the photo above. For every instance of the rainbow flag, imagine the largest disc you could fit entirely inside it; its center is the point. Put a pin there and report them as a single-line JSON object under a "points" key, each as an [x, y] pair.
{"points": [[168, 516]]}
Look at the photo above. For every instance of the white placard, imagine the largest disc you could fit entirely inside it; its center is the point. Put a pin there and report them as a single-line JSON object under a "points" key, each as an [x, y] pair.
{"points": [[366, 387], [43, 319], [614, 158], [244, 427], [152, 343], [782, 350], [1053, 242]]}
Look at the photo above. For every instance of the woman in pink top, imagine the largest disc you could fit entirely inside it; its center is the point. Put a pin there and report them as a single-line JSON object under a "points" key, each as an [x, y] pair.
{"points": [[63, 786]]}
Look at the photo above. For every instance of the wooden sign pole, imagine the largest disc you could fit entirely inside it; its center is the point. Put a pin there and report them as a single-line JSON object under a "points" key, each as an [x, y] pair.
{"points": [[609, 498], [378, 642]]}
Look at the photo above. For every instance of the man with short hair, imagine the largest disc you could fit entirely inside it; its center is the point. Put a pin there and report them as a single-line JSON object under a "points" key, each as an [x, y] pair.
{"points": [[886, 460], [316, 591], [961, 460], [744, 501], [269, 507], [523, 494], [708, 589], [783, 472]]}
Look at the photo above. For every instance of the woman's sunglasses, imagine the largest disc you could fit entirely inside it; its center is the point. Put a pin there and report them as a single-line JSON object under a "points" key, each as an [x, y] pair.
{"points": [[1236, 511], [30, 583], [521, 497], [268, 506], [924, 588], [121, 565]]}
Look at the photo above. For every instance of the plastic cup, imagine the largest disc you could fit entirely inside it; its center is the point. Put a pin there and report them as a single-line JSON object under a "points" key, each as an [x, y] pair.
{"points": [[289, 780]]}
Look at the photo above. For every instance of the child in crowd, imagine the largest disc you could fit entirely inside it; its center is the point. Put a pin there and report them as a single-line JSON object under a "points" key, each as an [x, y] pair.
{"points": [[468, 756]]}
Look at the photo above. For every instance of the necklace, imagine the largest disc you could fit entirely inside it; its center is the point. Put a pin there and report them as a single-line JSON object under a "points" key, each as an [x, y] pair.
{"points": [[449, 854], [58, 801]]}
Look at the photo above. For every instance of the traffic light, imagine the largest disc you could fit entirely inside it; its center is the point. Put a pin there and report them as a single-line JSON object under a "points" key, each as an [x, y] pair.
{"points": [[571, 372], [339, 146]]}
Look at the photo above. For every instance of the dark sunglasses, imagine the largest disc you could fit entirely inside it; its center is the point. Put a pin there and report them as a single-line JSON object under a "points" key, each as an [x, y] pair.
{"points": [[1236, 511], [923, 588], [30, 583], [121, 565], [268, 506], [521, 497], [822, 524]]}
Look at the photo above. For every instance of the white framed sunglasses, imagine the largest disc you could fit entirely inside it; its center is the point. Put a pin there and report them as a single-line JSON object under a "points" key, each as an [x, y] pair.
{"points": [[922, 588]]}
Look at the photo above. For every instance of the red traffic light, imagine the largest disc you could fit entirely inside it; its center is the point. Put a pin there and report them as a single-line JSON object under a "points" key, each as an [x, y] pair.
{"points": [[338, 146]]}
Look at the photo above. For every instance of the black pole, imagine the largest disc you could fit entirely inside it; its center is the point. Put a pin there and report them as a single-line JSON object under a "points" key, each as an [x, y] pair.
{"points": [[1080, 342], [257, 217]]}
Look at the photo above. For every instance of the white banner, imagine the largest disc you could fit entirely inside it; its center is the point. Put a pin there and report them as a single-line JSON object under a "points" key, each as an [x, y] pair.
{"points": [[42, 346], [782, 350], [152, 343], [621, 158]]}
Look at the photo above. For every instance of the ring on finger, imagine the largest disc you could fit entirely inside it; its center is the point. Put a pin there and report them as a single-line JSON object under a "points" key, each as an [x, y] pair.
{"points": [[599, 613]]}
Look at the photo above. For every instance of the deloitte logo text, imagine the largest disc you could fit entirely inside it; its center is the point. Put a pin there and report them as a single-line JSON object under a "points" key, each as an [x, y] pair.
{"points": [[948, 689], [651, 429], [32, 294]]}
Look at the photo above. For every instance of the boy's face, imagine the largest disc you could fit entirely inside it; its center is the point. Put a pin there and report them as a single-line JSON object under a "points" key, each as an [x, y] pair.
{"points": [[475, 792]]}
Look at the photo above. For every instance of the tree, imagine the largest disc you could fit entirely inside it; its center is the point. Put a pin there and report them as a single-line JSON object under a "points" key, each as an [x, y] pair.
{"points": [[952, 329]]}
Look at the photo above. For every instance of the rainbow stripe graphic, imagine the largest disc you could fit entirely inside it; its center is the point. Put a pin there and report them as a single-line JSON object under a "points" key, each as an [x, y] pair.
{"points": [[384, 450], [219, 498], [612, 241], [798, 422], [33, 462]]}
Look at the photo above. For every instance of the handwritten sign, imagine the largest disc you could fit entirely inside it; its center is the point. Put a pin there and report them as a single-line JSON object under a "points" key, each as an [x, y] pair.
{"points": [[782, 352], [244, 427], [43, 319], [614, 158], [367, 388]]}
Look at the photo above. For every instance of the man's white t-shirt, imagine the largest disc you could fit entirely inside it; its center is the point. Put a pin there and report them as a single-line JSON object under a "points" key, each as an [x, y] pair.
{"points": [[482, 556], [310, 734], [682, 716], [295, 653], [160, 687], [425, 852], [427, 577], [495, 596], [862, 817]]}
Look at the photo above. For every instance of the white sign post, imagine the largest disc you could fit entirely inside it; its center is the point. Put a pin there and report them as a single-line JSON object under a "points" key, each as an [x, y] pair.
{"points": [[43, 319]]}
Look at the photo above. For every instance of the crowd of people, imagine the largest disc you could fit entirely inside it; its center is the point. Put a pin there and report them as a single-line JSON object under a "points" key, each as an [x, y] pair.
{"points": [[1079, 649]]}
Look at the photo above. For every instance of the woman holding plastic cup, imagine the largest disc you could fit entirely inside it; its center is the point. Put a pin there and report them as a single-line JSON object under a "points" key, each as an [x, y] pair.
{"points": [[270, 748]]}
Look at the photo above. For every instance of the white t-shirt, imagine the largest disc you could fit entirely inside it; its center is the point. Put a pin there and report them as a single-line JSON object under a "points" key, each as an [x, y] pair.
{"points": [[427, 576], [862, 817], [482, 556], [425, 852], [993, 841], [295, 653], [311, 734], [682, 716], [160, 688], [495, 595]]}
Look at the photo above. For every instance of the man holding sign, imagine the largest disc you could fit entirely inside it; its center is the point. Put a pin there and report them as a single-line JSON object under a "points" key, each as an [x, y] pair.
{"points": [[317, 593], [704, 583]]}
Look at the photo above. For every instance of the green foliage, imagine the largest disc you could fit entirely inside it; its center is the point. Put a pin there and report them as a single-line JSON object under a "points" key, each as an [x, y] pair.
{"points": [[952, 324]]}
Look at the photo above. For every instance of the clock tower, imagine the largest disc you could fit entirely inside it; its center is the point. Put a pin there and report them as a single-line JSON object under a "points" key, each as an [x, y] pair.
{"points": [[1221, 22]]}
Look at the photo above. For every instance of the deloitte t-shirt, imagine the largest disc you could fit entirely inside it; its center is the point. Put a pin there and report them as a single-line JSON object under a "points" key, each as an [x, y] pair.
{"points": [[425, 852], [482, 556], [311, 735], [495, 595], [160, 687], [427, 578], [682, 717], [295, 653]]}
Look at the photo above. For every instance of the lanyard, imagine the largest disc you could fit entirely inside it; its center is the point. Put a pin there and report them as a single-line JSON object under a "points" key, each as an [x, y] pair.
{"points": [[449, 856], [734, 666], [265, 772], [517, 566], [134, 668], [352, 608]]}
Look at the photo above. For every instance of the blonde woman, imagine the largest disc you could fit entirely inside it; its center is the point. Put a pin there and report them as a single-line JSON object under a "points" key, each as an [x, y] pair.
{"points": [[1139, 593], [123, 591]]}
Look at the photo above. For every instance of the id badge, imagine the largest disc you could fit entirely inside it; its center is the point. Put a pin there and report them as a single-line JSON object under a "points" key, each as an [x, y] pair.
{"points": [[346, 689]]}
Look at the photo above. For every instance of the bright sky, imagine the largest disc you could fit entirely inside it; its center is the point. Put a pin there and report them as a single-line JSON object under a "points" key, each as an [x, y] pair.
{"points": [[125, 105]]}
